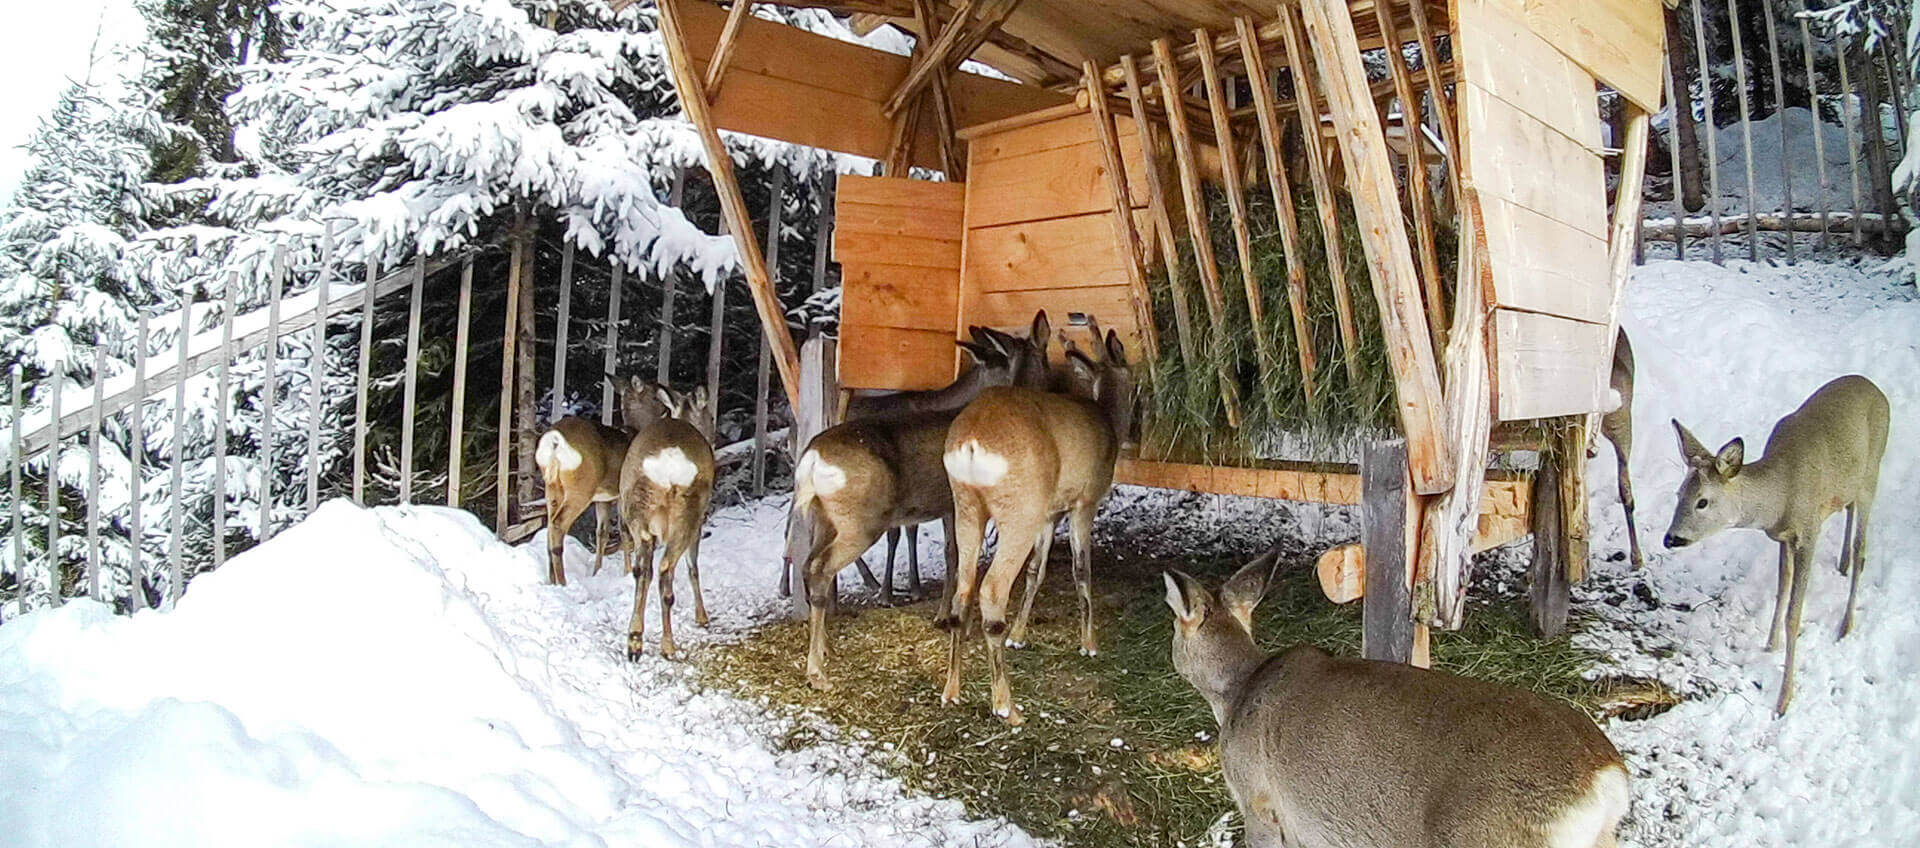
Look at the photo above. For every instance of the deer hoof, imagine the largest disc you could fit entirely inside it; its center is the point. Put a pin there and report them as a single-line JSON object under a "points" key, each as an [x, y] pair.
{"points": [[818, 680], [1011, 713], [700, 618], [1086, 651], [1016, 644]]}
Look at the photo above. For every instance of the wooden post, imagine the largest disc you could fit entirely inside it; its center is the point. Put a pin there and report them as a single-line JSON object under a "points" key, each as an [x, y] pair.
{"points": [[1450, 521], [813, 414], [457, 416], [723, 50], [1157, 210], [693, 99], [1713, 129], [1236, 199], [951, 159], [1622, 234], [1386, 612], [1184, 156], [1324, 202], [503, 465], [1819, 141], [55, 377], [1673, 151], [1396, 285], [136, 461], [224, 392], [716, 343], [176, 547], [360, 384], [269, 391], [1442, 110], [610, 366], [1571, 451], [1853, 141], [663, 366], [317, 369], [1427, 253], [776, 205], [1122, 219], [411, 384], [526, 433], [823, 233], [1879, 164], [560, 332], [1271, 144], [1779, 109], [1547, 587], [15, 458], [1746, 129], [94, 430]]}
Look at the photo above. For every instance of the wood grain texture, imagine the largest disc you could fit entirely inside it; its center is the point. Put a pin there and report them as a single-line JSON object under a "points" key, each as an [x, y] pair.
{"points": [[1121, 216], [1386, 612], [1502, 55], [1511, 152], [903, 296], [1543, 265], [1622, 42], [895, 358], [1051, 182], [1236, 201], [1324, 203], [1545, 365], [1272, 147]]}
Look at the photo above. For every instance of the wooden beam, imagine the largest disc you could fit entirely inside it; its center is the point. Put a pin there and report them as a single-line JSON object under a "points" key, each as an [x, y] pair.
{"points": [[503, 457], [1626, 222], [1325, 205], [1157, 210], [766, 301], [1428, 253], [723, 50], [1442, 108], [953, 163], [1122, 217], [1183, 154], [1271, 144], [1547, 586], [1396, 285], [1387, 505], [933, 58], [1236, 201]]}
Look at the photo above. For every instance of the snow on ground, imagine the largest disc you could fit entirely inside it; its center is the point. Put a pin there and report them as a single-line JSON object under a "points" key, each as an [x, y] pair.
{"points": [[396, 677], [1728, 351]]}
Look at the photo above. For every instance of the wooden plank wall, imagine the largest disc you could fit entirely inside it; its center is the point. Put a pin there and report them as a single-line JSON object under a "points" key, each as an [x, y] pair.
{"points": [[1533, 146], [789, 84], [898, 244], [1038, 233]]}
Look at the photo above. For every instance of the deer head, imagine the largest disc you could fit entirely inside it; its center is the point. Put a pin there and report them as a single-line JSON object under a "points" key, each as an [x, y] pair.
{"points": [[1710, 494], [1213, 647]]}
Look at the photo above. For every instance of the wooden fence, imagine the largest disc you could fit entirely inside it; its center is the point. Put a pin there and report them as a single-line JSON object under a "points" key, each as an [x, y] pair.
{"points": [[302, 319]]}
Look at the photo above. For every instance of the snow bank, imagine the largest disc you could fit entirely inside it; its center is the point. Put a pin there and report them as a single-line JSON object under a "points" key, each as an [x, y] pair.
{"points": [[395, 676], [1728, 351]]}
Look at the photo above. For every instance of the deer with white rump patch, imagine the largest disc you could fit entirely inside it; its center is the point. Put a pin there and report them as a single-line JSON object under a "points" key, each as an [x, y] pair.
{"points": [[1821, 458], [579, 461], [1021, 458], [665, 486], [1329, 752], [1617, 427]]}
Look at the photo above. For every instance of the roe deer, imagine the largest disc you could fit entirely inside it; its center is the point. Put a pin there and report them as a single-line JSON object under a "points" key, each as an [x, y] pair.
{"points": [[665, 486], [1821, 458], [579, 461], [1330, 752], [1021, 458], [867, 476], [1617, 426]]}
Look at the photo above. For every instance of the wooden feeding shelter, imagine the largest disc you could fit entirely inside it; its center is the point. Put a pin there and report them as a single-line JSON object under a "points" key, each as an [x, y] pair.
{"points": [[1082, 184]]}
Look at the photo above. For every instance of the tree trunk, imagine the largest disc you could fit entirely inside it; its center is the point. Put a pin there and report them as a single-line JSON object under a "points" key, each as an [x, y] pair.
{"points": [[1691, 187]]}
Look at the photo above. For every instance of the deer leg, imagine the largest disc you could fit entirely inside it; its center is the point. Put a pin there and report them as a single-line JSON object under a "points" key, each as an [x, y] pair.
{"points": [[1803, 560], [913, 560], [1036, 574], [560, 518], [1846, 544], [601, 511], [969, 526], [1780, 598], [1857, 533], [886, 586], [693, 577], [1080, 522], [818, 577], [1626, 505], [676, 548], [642, 579], [1008, 561]]}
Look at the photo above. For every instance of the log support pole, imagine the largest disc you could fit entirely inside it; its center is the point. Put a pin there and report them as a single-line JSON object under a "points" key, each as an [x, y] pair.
{"points": [[1389, 526]]}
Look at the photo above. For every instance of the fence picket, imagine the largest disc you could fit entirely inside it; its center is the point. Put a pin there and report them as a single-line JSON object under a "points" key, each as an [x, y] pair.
{"points": [[136, 463]]}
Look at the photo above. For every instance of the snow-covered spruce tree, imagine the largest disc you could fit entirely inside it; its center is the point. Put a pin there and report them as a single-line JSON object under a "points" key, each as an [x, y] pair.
{"points": [[193, 50]]}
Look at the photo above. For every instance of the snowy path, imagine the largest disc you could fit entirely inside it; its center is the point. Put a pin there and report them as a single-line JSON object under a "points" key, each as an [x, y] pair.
{"points": [[1728, 351], [287, 701]]}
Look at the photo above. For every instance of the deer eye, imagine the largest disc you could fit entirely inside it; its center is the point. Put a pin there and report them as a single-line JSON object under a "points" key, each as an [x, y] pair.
{"points": [[1700, 504]]}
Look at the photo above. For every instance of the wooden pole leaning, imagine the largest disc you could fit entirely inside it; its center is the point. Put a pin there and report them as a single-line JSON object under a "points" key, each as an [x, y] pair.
{"points": [[457, 415], [1123, 232], [1236, 199], [1325, 205], [693, 99], [1271, 145]]}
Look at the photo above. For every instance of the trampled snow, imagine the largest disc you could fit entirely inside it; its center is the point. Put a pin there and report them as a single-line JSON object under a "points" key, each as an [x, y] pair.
{"points": [[396, 677]]}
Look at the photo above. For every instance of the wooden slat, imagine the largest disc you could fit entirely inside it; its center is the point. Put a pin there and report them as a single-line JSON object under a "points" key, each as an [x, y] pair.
{"points": [[360, 424], [1626, 223], [902, 296], [842, 86], [411, 383], [1236, 202], [1396, 285], [1542, 265], [1427, 253], [894, 358], [1621, 42], [723, 49], [1013, 310], [223, 389], [1272, 146], [1120, 218], [1049, 183], [1054, 253], [1161, 220], [927, 195], [854, 247], [503, 457], [1546, 365], [316, 369], [1510, 152], [136, 463], [1325, 205], [902, 220], [457, 411], [1507, 59]]}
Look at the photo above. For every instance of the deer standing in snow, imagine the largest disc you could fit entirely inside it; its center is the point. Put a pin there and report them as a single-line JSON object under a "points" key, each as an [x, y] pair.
{"points": [[665, 486], [868, 476], [1331, 752], [1021, 458], [579, 461], [1617, 426], [1821, 458]]}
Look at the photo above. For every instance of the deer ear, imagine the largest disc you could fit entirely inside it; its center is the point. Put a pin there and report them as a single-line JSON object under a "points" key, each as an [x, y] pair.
{"points": [[1694, 453], [977, 351], [1116, 352], [668, 400], [1247, 586], [1185, 598], [1730, 458], [1042, 328]]}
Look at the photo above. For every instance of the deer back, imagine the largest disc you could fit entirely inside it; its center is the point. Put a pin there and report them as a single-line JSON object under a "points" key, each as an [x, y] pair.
{"points": [[668, 472], [582, 451], [887, 470]]}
